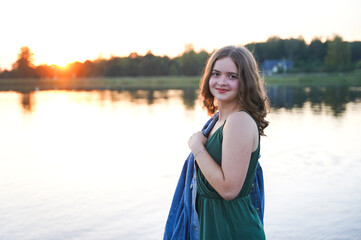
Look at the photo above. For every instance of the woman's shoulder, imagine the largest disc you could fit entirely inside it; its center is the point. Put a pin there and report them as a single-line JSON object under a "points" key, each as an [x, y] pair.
{"points": [[240, 128], [240, 120], [241, 117]]}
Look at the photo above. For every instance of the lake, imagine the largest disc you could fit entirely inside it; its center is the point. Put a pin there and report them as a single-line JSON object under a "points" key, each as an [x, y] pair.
{"points": [[104, 164]]}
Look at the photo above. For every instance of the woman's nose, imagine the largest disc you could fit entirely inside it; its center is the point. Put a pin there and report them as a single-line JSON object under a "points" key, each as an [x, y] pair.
{"points": [[222, 80]]}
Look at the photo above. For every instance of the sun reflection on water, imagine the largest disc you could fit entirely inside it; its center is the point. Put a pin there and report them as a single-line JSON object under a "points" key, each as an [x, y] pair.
{"points": [[95, 164]]}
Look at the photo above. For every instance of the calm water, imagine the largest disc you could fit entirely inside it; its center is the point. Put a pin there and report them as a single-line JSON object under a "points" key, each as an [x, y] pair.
{"points": [[96, 165]]}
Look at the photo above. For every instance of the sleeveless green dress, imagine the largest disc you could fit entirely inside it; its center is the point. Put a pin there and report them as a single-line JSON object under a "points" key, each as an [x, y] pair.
{"points": [[224, 220]]}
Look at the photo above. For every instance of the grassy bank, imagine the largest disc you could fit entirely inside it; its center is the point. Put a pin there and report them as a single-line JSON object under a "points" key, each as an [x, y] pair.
{"points": [[175, 82], [117, 83], [351, 78]]}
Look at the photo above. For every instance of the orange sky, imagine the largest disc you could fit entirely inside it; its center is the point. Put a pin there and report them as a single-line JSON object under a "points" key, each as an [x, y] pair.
{"points": [[60, 32]]}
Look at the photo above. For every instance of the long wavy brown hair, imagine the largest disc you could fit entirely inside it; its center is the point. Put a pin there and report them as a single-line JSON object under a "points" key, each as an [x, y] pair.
{"points": [[252, 96]]}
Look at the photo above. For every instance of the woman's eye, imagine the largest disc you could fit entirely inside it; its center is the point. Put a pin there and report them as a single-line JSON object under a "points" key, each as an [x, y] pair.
{"points": [[215, 74], [233, 76]]}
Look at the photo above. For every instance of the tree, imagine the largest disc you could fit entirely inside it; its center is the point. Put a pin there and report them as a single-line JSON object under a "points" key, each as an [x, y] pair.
{"points": [[188, 62], [315, 55], [316, 51], [24, 66], [355, 51], [202, 60], [290, 46], [192, 63], [258, 50], [43, 71], [295, 49], [338, 54], [274, 48], [149, 64]]}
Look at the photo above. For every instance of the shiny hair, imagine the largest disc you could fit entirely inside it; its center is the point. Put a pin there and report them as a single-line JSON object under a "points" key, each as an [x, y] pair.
{"points": [[252, 96]]}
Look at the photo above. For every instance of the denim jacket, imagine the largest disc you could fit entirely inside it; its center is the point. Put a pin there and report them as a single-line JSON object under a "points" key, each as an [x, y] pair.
{"points": [[182, 222]]}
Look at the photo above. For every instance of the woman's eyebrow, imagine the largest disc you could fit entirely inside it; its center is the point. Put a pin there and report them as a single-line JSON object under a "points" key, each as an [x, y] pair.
{"points": [[232, 73], [215, 70]]}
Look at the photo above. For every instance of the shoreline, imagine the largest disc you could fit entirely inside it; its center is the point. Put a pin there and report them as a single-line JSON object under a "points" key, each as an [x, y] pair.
{"points": [[168, 82]]}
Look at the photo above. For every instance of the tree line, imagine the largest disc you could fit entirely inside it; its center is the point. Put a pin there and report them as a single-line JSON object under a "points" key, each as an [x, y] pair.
{"points": [[318, 56]]}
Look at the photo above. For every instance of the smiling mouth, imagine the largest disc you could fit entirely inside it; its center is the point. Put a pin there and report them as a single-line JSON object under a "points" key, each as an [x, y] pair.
{"points": [[221, 90]]}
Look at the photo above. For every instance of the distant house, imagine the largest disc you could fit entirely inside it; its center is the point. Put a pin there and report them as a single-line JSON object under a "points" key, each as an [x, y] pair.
{"points": [[276, 66]]}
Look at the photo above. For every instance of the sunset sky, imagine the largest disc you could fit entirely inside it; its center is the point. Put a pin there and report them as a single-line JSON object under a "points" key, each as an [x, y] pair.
{"points": [[60, 32]]}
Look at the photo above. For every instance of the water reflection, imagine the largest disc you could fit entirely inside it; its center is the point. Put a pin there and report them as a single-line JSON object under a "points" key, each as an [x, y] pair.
{"points": [[189, 96], [103, 164], [334, 98], [27, 101], [330, 98]]}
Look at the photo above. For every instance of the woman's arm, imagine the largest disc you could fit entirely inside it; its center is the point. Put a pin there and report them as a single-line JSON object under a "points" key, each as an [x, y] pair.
{"points": [[240, 139]]}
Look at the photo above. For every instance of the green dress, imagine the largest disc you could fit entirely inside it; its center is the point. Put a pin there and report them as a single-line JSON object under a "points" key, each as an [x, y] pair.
{"points": [[220, 219]]}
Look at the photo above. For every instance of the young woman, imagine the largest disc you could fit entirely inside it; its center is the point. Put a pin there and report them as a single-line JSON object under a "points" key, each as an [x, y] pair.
{"points": [[227, 160]]}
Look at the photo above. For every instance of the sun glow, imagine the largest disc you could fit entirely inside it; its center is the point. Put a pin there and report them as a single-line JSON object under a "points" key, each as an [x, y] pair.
{"points": [[59, 56], [69, 32]]}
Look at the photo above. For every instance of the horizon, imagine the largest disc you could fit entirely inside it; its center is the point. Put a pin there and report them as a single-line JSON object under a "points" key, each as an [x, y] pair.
{"points": [[63, 33], [100, 57]]}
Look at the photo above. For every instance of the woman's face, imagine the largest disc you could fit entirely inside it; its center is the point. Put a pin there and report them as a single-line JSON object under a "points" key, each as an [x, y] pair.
{"points": [[224, 82]]}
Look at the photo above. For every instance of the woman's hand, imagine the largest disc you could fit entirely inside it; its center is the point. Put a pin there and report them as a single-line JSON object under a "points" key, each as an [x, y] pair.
{"points": [[197, 141]]}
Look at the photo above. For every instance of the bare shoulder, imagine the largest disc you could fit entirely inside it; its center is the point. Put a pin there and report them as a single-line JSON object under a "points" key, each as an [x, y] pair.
{"points": [[241, 130], [240, 120]]}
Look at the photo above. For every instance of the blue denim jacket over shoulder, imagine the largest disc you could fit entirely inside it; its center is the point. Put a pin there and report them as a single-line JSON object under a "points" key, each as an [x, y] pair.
{"points": [[182, 222]]}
